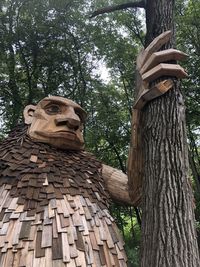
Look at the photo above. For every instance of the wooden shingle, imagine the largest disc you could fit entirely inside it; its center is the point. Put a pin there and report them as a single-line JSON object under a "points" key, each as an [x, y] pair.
{"points": [[54, 208]]}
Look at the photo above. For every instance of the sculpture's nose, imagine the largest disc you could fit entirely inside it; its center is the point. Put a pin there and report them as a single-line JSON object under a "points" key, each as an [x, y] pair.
{"points": [[70, 118]]}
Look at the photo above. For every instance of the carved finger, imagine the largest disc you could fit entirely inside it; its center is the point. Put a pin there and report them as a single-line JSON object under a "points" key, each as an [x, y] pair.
{"points": [[149, 94], [160, 70], [154, 46], [162, 56]]}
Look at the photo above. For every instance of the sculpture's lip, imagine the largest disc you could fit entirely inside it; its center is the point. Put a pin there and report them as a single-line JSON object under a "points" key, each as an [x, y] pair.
{"points": [[61, 133], [65, 132]]}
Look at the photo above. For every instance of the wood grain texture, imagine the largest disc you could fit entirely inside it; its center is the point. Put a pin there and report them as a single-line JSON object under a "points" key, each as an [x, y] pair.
{"points": [[164, 69], [149, 94], [54, 208]]}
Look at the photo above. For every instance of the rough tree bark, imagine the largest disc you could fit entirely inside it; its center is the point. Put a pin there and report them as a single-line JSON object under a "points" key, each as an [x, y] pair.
{"points": [[168, 230]]}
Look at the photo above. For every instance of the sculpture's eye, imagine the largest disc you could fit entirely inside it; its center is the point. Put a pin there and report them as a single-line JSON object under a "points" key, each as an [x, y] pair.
{"points": [[79, 114], [53, 109]]}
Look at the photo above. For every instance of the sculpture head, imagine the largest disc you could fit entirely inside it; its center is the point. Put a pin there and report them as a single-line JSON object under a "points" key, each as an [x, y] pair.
{"points": [[56, 121]]}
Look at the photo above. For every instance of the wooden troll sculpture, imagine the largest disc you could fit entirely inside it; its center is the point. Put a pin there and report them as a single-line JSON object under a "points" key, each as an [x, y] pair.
{"points": [[54, 196]]}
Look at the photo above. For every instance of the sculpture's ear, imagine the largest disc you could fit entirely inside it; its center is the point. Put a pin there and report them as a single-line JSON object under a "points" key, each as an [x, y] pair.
{"points": [[28, 114]]}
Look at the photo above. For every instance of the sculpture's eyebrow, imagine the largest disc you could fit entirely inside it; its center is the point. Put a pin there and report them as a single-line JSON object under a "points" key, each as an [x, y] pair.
{"points": [[46, 103], [77, 108]]}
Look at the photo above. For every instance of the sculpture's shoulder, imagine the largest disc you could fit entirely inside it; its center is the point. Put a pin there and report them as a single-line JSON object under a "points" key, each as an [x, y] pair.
{"points": [[54, 208], [73, 172]]}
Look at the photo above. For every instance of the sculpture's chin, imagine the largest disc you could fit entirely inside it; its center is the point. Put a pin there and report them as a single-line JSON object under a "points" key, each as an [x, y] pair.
{"points": [[64, 145], [65, 140]]}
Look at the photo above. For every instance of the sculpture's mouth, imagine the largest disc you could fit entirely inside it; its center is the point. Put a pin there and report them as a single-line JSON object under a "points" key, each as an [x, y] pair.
{"points": [[66, 132], [60, 134], [63, 139]]}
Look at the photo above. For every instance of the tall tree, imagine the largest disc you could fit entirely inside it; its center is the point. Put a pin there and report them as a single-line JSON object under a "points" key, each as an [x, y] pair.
{"points": [[169, 236], [168, 230]]}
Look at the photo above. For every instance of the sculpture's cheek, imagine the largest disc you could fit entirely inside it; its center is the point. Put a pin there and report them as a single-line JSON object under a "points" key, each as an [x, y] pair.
{"points": [[61, 137]]}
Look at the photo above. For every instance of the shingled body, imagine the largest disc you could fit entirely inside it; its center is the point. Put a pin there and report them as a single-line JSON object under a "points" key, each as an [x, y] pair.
{"points": [[54, 207]]}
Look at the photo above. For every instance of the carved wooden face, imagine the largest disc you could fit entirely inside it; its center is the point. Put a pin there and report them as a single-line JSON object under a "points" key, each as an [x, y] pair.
{"points": [[57, 121]]}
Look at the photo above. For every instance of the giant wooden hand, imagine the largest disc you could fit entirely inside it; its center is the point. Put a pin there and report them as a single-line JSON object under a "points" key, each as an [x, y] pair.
{"points": [[151, 65]]}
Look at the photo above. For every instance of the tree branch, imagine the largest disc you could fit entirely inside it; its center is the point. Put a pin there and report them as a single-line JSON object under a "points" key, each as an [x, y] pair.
{"points": [[110, 9]]}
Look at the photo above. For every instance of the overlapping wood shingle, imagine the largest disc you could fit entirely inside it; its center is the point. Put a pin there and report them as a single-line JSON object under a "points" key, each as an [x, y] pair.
{"points": [[54, 208]]}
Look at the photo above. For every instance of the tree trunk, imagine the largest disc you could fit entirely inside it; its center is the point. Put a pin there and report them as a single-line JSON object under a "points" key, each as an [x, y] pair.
{"points": [[168, 230]]}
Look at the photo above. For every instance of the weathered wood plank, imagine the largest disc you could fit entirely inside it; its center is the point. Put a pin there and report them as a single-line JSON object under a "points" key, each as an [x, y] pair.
{"points": [[79, 242], [80, 260], [39, 252], [65, 248], [47, 236], [57, 252], [25, 230]]}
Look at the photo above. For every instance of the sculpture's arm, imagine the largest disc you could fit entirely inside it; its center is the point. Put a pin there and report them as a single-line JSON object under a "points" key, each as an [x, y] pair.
{"points": [[151, 65], [117, 185]]}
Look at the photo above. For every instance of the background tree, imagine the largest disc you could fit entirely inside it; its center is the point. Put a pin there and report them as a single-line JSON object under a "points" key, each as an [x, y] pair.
{"points": [[168, 212]]}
